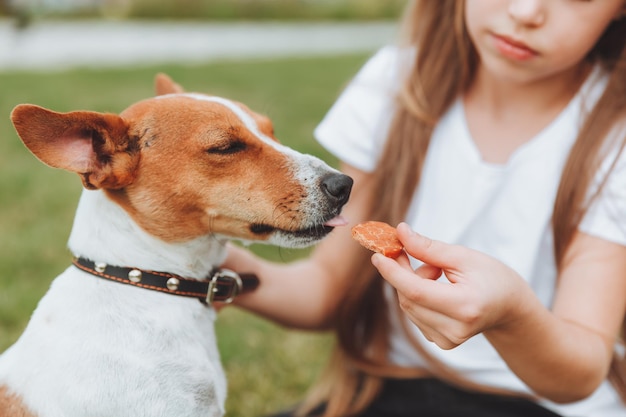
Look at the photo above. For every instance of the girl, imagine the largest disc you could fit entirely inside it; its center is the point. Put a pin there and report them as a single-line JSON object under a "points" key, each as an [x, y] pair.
{"points": [[497, 126]]}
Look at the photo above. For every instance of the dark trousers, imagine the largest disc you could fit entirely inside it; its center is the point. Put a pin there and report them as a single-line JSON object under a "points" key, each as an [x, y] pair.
{"points": [[432, 398]]}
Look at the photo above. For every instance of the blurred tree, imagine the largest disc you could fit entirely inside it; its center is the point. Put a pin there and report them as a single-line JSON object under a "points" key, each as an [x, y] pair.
{"points": [[9, 8]]}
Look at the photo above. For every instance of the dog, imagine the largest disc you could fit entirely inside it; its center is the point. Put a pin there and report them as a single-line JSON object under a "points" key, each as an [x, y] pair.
{"points": [[127, 329]]}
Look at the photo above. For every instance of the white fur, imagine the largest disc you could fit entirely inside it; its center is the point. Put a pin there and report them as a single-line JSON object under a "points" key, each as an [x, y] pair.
{"points": [[112, 237], [99, 348]]}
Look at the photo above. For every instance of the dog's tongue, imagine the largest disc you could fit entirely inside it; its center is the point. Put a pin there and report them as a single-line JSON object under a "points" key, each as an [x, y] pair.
{"points": [[336, 221]]}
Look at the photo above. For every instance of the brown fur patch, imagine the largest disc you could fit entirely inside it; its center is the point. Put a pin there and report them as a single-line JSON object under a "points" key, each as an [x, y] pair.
{"points": [[184, 187], [11, 405]]}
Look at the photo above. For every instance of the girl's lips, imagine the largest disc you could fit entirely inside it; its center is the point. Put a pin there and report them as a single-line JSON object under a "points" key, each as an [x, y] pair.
{"points": [[512, 49]]}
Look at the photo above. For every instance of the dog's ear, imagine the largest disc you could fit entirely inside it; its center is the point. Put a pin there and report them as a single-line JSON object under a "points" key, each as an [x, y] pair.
{"points": [[165, 85], [96, 146]]}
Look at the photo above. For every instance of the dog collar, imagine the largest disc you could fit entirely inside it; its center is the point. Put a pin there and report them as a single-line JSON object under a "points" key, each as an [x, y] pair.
{"points": [[221, 284]]}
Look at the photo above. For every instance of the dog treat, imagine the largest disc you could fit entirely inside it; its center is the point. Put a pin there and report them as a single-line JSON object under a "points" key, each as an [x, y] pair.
{"points": [[378, 237]]}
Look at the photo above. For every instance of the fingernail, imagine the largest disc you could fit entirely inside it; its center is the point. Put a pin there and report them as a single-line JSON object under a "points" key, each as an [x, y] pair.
{"points": [[407, 228], [375, 259]]}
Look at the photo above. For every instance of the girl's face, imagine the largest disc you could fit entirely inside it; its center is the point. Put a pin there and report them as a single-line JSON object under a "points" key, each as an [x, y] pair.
{"points": [[530, 40]]}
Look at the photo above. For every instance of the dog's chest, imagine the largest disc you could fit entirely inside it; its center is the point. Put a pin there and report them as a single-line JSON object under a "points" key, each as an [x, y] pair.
{"points": [[99, 348]]}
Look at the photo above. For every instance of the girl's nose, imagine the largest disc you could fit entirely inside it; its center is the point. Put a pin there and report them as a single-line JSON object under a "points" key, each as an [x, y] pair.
{"points": [[528, 12]]}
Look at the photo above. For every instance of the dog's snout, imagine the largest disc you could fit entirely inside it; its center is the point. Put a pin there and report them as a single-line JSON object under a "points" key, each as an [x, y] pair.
{"points": [[337, 187]]}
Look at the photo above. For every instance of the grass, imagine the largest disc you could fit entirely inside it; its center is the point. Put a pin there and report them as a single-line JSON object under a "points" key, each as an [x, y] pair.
{"points": [[268, 9], [268, 367], [224, 10]]}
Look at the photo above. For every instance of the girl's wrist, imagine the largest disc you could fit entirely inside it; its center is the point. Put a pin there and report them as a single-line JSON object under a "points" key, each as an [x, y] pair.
{"points": [[524, 312]]}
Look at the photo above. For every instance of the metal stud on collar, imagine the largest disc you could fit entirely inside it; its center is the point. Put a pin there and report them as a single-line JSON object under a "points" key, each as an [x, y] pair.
{"points": [[134, 275], [100, 267], [172, 284]]}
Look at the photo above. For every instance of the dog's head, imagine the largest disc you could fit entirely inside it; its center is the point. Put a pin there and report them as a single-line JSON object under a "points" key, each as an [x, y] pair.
{"points": [[187, 165]]}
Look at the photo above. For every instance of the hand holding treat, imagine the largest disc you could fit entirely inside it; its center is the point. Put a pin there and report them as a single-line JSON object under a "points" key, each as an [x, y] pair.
{"points": [[378, 237]]}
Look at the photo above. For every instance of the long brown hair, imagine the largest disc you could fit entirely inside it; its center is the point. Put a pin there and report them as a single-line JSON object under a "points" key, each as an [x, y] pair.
{"points": [[443, 68]]}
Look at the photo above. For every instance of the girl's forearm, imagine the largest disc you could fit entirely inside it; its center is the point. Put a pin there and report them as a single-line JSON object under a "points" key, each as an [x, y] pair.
{"points": [[558, 359], [291, 295]]}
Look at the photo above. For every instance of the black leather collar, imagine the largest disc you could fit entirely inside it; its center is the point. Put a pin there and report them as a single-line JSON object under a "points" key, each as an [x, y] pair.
{"points": [[221, 284]]}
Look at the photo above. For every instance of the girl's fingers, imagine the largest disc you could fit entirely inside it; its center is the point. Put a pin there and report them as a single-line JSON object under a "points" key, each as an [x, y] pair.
{"points": [[430, 251], [433, 325], [448, 312], [426, 292], [429, 272], [404, 262]]}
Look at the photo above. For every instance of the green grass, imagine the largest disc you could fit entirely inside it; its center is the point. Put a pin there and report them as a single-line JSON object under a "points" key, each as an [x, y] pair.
{"points": [[222, 10], [268, 367], [268, 9]]}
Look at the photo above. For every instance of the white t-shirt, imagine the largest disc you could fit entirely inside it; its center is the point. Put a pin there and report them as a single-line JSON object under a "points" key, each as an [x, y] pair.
{"points": [[503, 210]]}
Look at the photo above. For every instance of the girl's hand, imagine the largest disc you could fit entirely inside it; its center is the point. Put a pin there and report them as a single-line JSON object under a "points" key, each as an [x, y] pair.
{"points": [[482, 292], [239, 260]]}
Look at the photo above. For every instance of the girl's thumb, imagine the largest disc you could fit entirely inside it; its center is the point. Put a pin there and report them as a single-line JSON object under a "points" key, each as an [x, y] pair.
{"points": [[429, 251]]}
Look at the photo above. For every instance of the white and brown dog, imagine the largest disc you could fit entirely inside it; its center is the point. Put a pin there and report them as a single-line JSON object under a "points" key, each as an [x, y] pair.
{"points": [[167, 181]]}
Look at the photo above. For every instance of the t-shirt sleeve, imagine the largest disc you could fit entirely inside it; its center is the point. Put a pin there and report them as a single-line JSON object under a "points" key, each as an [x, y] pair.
{"points": [[355, 128], [606, 217]]}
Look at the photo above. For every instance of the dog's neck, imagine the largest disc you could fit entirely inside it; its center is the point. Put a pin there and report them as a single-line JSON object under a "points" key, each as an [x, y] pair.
{"points": [[104, 232]]}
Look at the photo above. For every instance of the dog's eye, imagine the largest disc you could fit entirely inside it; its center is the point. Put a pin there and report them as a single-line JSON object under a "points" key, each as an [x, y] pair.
{"points": [[227, 148]]}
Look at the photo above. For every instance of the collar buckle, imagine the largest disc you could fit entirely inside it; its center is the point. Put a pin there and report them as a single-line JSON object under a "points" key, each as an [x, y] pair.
{"points": [[231, 280]]}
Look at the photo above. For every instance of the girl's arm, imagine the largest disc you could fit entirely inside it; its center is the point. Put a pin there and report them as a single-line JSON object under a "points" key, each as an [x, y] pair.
{"points": [[562, 354], [569, 349], [304, 294]]}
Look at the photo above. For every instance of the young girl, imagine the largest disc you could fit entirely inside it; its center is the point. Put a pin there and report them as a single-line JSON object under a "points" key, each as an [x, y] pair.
{"points": [[497, 127]]}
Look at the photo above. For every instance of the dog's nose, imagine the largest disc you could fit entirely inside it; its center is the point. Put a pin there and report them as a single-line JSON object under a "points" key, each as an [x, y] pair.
{"points": [[337, 187]]}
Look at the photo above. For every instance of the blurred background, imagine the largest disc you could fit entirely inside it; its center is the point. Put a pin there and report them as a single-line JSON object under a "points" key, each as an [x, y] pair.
{"points": [[209, 9], [288, 59]]}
